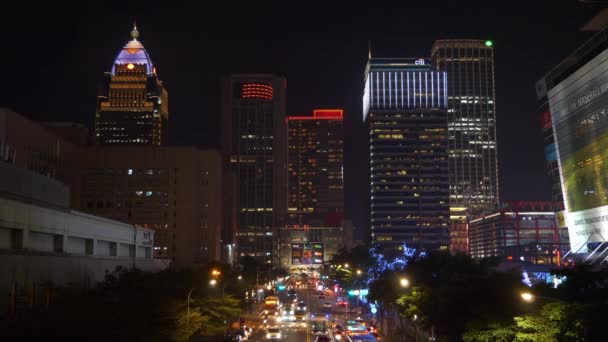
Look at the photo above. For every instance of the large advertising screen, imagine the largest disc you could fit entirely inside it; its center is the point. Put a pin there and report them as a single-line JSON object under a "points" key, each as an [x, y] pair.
{"points": [[307, 253], [579, 108]]}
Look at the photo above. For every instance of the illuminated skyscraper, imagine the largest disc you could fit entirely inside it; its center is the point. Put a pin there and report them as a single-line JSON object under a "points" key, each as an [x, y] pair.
{"points": [[254, 144], [315, 182], [133, 106], [473, 165], [404, 108]]}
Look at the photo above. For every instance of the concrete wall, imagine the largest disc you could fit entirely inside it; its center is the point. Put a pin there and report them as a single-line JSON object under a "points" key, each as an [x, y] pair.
{"points": [[50, 230], [26, 184], [25, 270]]}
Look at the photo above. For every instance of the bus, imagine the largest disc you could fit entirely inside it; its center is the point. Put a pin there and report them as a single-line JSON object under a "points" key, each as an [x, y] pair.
{"points": [[271, 305], [319, 325]]}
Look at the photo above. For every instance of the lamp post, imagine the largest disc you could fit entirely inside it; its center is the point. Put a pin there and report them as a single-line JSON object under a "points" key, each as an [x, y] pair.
{"points": [[188, 311]]}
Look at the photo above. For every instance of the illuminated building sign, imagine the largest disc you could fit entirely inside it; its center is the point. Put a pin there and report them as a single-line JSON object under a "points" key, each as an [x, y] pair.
{"points": [[579, 109], [307, 253], [321, 114], [256, 91], [419, 61]]}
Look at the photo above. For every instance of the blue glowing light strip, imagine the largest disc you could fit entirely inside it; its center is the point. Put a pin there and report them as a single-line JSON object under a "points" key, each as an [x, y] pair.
{"points": [[390, 91], [414, 87], [378, 89], [432, 90], [408, 89], [396, 90], [383, 90], [426, 89], [445, 90], [402, 106]]}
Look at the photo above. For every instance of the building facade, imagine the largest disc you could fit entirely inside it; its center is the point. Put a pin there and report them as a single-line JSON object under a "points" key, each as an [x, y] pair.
{"points": [[315, 164], [29, 145], [254, 146], [175, 191], [577, 100], [132, 108], [405, 108], [472, 150], [311, 247], [522, 231]]}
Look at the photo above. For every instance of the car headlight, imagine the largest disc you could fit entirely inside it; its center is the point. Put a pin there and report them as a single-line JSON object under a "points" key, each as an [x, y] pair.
{"points": [[267, 335], [279, 319], [337, 337], [279, 335]]}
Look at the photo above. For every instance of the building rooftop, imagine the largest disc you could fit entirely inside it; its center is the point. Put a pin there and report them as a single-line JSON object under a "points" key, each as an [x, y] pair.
{"points": [[134, 53]]}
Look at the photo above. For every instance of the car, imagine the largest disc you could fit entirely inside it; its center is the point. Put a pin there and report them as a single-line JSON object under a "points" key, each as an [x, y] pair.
{"points": [[327, 306], [362, 338], [376, 335], [233, 336], [323, 338], [273, 333], [243, 334], [248, 329]]}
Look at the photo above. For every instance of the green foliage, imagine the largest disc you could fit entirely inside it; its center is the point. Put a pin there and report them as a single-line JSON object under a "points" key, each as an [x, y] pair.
{"points": [[495, 332]]}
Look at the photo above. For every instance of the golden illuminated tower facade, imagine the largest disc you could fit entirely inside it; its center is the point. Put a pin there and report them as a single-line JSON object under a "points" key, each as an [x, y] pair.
{"points": [[133, 106]]}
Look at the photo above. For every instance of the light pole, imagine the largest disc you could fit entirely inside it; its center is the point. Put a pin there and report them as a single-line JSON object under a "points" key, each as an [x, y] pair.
{"points": [[188, 313]]}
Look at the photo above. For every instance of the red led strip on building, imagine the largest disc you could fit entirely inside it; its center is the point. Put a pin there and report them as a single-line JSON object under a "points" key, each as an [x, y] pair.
{"points": [[321, 114], [256, 91]]}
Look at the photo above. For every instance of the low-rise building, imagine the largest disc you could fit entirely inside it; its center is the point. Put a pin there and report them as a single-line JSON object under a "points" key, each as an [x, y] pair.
{"points": [[521, 231]]}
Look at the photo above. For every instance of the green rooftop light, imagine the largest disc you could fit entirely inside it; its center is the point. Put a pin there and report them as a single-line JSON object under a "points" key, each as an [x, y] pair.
{"points": [[489, 43]]}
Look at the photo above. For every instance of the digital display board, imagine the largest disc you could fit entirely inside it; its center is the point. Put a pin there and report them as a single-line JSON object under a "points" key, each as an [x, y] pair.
{"points": [[307, 253], [579, 109]]}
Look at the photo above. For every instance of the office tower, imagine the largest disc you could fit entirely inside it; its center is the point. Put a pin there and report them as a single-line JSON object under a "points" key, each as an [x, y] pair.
{"points": [[469, 65], [255, 147], [132, 108], [176, 191], [315, 164], [405, 108]]}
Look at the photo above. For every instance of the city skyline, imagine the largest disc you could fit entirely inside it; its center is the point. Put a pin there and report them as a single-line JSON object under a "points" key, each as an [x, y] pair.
{"points": [[521, 58]]}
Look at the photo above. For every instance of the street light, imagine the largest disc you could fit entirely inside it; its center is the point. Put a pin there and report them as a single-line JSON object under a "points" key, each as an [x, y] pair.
{"points": [[527, 296], [240, 277], [189, 293], [404, 282], [216, 273], [359, 272], [345, 265], [212, 282]]}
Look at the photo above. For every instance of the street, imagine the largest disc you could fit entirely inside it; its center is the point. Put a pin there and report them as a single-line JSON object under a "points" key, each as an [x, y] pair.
{"points": [[292, 331]]}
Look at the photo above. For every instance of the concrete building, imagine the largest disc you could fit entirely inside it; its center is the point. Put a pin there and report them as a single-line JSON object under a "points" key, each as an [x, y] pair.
{"points": [[254, 146], [521, 231], [43, 243], [315, 166], [31, 146], [405, 111], [133, 107], [175, 191]]}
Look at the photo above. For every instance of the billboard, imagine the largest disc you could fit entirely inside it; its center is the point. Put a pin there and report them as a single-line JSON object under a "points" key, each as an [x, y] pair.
{"points": [[307, 253], [579, 108]]}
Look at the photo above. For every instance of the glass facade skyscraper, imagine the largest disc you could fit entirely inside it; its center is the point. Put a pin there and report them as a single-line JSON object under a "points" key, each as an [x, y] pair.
{"points": [[472, 150], [405, 109], [254, 145], [133, 106]]}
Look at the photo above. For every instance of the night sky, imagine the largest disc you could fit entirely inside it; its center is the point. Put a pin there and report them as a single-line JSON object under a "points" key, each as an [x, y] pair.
{"points": [[54, 57]]}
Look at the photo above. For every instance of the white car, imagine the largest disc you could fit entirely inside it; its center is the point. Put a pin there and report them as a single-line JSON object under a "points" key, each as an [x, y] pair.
{"points": [[273, 333], [327, 306]]}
